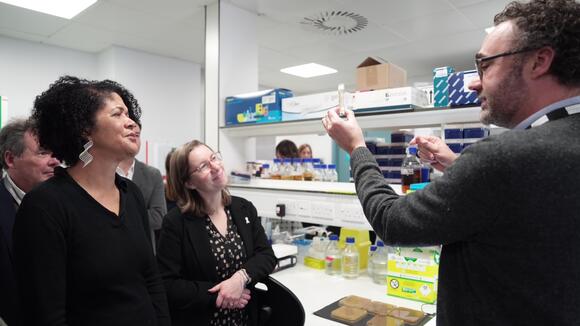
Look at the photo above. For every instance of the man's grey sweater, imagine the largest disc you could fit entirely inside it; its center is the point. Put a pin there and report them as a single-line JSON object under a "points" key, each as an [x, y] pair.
{"points": [[507, 213]]}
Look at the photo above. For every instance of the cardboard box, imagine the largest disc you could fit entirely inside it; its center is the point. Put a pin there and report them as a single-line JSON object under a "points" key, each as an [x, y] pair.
{"points": [[413, 273], [459, 94], [441, 87], [392, 99], [376, 73], [311, 106], [258, 107]]}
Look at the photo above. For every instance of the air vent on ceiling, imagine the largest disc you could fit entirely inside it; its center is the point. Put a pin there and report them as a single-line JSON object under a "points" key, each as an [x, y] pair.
{"points": [[337, 22]]}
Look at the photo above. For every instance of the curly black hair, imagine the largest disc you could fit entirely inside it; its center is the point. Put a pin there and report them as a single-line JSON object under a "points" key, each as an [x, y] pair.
{"points": [[553, 23], [65, 114]]}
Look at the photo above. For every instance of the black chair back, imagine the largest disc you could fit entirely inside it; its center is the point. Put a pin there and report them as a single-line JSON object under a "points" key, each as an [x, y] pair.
{"points": [[278, 306]]}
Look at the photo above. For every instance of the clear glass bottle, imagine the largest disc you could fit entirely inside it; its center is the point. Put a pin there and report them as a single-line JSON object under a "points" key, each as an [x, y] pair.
{"points": [[370, 267], [275, 172], [380, 263], [308, 169], [410, 169], [297, 174], [322, 172], [333, 256], [350, 259], [265, 173], [288, 170], [331, 174]]}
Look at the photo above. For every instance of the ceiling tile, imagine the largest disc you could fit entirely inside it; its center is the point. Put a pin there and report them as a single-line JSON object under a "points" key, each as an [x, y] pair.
{"points": [[314, 52], [429, 26], [82, 37], [173, 9], [111, 17], [29, 22], [371, 38], [287, 36], [271, 59], [381, 11], [481, 14]]}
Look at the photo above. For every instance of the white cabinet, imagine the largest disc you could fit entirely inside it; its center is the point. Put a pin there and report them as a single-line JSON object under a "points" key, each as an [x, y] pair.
{"points": [[321, 202]]}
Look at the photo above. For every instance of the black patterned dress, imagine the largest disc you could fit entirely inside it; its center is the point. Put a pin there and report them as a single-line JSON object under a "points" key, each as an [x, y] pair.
{"points": [[230, 254]]}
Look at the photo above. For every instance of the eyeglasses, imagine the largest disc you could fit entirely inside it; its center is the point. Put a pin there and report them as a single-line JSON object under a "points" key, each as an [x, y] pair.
{"points": [[479, 61], [204, 167]]}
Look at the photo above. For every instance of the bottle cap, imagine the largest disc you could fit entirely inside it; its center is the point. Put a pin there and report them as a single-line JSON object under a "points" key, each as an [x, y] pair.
{"points": [[266, 166], [333, 237], [413, 150], [373, 248], [380, 243], [332, 166], [350, 240]]}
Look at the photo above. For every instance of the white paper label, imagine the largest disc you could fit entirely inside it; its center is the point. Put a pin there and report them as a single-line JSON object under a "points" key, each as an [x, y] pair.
{"points": [[269, 99], [467, 78]]}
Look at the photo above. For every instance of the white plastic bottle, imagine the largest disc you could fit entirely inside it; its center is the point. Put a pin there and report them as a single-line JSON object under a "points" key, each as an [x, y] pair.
{"points": [[333, 256], [380, 263], [350, 258]]}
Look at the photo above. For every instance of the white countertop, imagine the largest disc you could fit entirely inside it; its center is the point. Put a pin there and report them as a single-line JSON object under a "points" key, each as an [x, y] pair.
{"points": [[315, 289]]}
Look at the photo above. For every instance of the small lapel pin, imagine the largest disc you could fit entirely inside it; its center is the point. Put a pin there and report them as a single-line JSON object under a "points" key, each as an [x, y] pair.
{"points": [[247, 220]]}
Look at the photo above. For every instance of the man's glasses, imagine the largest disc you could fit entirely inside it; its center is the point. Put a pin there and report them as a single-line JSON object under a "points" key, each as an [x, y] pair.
{"points": [[481, 60], [204, 167]]}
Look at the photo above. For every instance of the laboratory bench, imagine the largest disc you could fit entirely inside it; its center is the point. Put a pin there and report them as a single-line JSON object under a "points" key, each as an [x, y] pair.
{"points": [[315, 290]]}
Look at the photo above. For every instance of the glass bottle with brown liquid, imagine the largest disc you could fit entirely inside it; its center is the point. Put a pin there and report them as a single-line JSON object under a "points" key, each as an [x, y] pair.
{"points": [[276, 171], [308, 169], [287, 170], [410, 170]]}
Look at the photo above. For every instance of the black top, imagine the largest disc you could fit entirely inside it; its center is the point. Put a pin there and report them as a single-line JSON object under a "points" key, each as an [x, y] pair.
{"points": [[8, 292], [507, 213], [80, 264], [189, 268], [230, 254]]}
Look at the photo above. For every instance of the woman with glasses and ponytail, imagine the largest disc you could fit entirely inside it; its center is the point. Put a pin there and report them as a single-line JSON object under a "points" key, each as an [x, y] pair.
{"points": [[82, 244], [213, 248]]}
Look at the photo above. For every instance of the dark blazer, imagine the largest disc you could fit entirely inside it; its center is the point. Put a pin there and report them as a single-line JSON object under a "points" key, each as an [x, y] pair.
{"points": [[148, 179], [188, 266], [8, 293]]}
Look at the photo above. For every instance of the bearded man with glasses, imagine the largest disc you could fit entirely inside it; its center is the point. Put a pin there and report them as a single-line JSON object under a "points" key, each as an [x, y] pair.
{"points": [[506, 211]]}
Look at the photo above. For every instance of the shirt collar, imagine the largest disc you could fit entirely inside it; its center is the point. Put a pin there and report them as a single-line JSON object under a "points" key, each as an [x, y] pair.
{"points": [[129, 174], [13, 189], [540, 116]]}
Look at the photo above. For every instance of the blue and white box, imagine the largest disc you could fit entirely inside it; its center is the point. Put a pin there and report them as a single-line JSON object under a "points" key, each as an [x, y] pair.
{"points": [[312, 106], [390, 99], [459, 93], [257, 107], [441, 87]]}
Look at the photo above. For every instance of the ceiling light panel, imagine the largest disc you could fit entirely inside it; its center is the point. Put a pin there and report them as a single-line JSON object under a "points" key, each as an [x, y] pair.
{"points": [[60, 8], [309, 70]]}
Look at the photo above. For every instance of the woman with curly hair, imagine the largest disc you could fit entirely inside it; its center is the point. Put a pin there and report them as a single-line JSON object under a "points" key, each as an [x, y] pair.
{"points": [[81, 239]]}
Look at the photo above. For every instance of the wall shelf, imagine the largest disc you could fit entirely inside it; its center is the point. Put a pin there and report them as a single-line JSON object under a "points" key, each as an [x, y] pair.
{"points": [[414, 119]]}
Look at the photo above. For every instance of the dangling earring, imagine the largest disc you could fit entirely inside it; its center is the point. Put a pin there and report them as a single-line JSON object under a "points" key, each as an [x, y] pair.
{"points": [[85, 156]]}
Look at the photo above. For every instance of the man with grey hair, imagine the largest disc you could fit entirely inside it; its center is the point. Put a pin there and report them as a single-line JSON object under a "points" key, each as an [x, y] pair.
{"points": [[25, 165]]}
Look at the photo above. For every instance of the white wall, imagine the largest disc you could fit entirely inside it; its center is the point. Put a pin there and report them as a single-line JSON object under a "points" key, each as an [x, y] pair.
{"points": [[169, 93], [168, 90], [27, 69]]}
